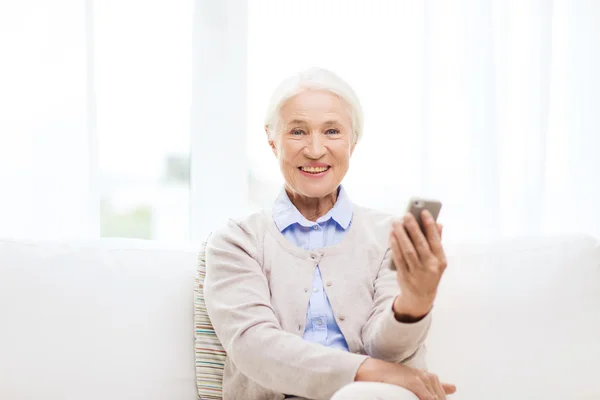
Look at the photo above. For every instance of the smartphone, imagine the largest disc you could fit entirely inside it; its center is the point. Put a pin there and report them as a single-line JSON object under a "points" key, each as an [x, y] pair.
{"points": [[416, 205]]}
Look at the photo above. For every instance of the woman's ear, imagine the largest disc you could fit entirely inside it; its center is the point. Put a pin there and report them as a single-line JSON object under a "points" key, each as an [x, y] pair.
{"points": [[270, 140]]}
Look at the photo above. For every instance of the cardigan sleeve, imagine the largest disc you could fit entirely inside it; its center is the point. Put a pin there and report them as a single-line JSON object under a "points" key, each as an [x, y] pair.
{"points": [[384, 337], [238, 302]]}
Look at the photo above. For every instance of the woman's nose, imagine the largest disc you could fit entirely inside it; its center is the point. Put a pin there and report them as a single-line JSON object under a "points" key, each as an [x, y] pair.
{"points": [[315, 148]]}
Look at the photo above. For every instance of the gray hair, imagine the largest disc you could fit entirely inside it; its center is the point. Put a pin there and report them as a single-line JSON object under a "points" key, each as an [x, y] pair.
{"points": [[314, 79]]}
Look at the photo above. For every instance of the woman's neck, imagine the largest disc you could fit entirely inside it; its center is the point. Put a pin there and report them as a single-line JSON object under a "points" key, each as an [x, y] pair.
{"points": [[312, 208]]}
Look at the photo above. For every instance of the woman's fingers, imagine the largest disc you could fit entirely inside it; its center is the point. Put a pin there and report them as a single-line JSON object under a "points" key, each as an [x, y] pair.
{"points": [[397, 256], [416, 235], [433, 392], [409, 252], [449, 388], [433, 235], [434, 387], [418, 239], [421, 391], [439, 390]]}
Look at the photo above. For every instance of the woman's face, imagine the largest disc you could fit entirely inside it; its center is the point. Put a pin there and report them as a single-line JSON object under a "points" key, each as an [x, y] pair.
{"points": [[314, 143]]}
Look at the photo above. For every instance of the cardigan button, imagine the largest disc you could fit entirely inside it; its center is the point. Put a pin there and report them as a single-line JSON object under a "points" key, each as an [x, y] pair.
{"points": [[329, 283], [342, 317]]}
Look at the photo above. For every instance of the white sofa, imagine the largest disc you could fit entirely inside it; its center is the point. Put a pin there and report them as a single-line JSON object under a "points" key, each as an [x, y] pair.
{"points": [[113, 320]]}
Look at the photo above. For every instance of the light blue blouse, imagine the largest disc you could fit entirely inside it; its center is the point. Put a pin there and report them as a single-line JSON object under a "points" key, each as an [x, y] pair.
{"points": [[328, 230]]}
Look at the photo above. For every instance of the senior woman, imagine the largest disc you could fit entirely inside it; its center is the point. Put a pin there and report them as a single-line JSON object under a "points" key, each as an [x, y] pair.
{"points": [[303, 296]]}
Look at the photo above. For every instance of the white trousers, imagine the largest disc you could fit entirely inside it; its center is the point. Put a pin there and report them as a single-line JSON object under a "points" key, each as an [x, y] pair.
{"points": [[371, 391]]}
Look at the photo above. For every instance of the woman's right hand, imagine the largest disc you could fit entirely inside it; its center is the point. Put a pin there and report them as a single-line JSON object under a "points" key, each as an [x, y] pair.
{"points": [[425, 385]]}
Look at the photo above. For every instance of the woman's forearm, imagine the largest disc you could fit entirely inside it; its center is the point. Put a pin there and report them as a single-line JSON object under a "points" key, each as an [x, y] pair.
{"points": [[288, 364]]}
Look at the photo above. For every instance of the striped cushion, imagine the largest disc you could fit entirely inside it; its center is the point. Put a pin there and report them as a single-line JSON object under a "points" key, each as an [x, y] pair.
{"points": [[210, 355]]}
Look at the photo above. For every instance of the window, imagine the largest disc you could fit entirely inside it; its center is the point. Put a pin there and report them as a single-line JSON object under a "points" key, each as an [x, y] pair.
{"points": [[142, 60]]}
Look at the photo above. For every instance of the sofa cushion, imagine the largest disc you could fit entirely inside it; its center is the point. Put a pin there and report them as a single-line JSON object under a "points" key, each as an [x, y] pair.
{"points": [[98, 320], [519, 319]]}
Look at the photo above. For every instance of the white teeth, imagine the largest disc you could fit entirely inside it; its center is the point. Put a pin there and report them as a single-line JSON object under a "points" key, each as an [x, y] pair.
{"points": [[314, 170]]}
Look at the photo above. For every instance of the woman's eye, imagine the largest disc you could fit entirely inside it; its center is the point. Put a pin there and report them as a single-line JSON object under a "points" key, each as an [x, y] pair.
{"points": [[297, 132], [332, 132]]}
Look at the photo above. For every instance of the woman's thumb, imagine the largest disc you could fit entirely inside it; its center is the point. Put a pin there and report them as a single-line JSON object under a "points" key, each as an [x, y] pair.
{"points": [[448, 388]]}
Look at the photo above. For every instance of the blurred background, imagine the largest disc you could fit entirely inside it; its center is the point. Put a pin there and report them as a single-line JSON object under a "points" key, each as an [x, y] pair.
{"points": [[144, 119]]}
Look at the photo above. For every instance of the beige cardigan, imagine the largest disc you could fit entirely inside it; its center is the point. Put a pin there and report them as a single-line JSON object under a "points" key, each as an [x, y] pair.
{"points": [[257, 290]]}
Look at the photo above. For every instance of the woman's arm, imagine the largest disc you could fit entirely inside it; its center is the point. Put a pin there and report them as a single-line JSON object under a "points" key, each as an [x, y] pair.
{"points": [[238, 302], [384, 336]]}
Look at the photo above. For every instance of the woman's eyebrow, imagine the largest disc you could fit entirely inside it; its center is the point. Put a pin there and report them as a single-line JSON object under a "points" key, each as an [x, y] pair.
{"points": [[296, 122], [303, 122]]}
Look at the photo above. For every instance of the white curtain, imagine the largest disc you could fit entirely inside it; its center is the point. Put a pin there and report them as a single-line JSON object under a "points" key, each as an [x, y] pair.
{"points": [[94, 109], [492, 106], [46, 167]]}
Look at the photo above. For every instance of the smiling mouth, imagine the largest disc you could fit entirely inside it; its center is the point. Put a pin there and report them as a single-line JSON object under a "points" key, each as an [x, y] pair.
{"points": [[314, 170]]}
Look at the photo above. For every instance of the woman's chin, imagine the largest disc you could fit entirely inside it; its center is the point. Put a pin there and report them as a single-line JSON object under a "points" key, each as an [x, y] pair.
{"points": [[317, 189]]}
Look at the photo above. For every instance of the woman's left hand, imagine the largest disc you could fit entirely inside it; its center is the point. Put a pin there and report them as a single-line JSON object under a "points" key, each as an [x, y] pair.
{"points": [[420, 262]]}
